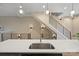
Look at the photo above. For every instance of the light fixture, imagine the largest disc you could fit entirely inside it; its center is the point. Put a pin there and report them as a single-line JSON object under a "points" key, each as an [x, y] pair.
{"points": [[19, 36], [31, 26], [53, 35], [21, 11], [47, 11], [60, 17], [65, 8], [72, 11], [44, 6], [42, 26], [20, 6]]}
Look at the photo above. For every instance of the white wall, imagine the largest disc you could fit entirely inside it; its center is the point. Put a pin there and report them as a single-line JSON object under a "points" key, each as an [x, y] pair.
{"points": [[67, 22], [21, 25], [76, 26], [43, 17], [72, 25], [17, 24]]}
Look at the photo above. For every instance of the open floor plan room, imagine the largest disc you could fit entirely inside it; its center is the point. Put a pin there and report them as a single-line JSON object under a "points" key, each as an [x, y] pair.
{"points": [[39, 29]]}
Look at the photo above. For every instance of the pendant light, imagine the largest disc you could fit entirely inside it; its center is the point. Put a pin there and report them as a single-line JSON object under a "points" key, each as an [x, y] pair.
{"points": [[44, 6], [21, 9], [20, 6], [47, 11], [72, 11]]}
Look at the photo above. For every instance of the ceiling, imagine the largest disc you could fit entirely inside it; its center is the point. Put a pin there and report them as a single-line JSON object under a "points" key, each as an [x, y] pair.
{"points": [[11, 9]]}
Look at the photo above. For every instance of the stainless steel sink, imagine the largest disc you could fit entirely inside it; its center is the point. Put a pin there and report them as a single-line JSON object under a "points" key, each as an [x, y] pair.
{"points": [[41, 46]]}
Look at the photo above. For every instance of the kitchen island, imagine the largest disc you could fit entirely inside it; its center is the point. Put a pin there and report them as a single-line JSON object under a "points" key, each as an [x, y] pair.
{"points": [[21, 47]]}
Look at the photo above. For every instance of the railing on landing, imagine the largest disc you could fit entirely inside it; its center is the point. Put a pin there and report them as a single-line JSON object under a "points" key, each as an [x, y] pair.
{"points": [[59, 27]]}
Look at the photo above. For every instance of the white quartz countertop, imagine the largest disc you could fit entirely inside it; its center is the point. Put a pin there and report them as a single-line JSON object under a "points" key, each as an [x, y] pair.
{"points": [[22, 46]]}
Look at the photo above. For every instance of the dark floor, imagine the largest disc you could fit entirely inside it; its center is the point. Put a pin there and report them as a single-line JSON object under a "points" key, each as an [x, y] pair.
{"points": [[30, 54]]}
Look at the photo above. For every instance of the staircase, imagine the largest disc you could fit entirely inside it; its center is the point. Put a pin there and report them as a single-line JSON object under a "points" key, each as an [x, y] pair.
{"points": [[54, 25]]}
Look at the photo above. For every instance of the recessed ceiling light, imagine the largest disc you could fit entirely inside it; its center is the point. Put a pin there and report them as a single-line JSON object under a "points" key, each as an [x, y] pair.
{"points": [[47, 11], [20, 6], [44, 6], [65, 8], [21, 11]]}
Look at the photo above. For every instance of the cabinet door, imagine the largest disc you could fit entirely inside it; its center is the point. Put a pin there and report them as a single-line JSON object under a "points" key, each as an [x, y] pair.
{"points": [[71, 54]]}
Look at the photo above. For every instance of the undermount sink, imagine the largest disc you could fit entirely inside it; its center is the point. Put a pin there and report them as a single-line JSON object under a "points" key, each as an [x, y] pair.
{"points": [[41, 46]]}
